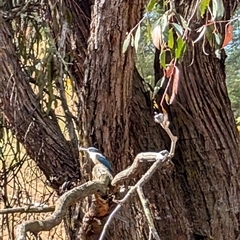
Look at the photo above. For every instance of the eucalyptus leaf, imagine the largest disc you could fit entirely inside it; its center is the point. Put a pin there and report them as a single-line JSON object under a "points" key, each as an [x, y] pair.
{"points": [[132, 41], [181, 48], [209, 35], [137, 37], [164, 22], [182, 21], [217, 9], [148, 30], [158, 86], [126, 43], [163, 59], [204, 4], [170, 38], [218, 38], [202, 31], [150, 5], [178, 29]]}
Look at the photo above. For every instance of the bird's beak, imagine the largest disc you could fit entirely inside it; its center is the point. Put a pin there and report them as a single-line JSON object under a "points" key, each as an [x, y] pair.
{"points": [[82, 149]]}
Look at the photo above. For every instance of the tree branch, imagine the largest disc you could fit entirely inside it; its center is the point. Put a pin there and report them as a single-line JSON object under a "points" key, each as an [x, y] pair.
{"points": [[160, 158], [32, 209], [22, 109], [66, 200], [152, 230]]}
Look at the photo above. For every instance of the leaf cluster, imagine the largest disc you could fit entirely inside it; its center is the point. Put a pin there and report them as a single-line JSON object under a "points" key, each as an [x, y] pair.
{"points": [[171, 34]]}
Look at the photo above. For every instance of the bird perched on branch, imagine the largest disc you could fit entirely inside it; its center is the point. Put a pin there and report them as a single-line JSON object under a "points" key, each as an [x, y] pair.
{"points": [[97, 157]]}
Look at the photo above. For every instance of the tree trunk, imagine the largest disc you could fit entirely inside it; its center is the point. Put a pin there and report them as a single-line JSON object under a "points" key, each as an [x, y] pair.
{"points": [[199, 199]]}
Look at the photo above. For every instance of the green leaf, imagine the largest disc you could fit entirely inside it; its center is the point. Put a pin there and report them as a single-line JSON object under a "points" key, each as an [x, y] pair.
{"points": [[209, 34], [158, 86], [204, 4], [137, 37], [182, 22], [170, 39], [218, 38], [126, 43], [163, 59], [217, 9], [150, 5], [164, 22], [148, 31], [165, 28], [178, 29], [181, 48], [132, 41]]}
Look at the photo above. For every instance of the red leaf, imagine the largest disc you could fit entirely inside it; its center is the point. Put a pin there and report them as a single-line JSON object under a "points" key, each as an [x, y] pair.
{"points": [[175, 85], [228, 35], [170, 69]]}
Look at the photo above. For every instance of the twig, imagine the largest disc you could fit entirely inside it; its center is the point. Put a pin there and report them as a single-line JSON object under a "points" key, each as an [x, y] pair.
{"points": [[152, 230], [33, 209], [159, 118]]}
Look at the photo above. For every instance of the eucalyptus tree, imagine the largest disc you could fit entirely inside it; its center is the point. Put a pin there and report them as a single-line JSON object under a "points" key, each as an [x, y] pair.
{"points": [[48, 47]]}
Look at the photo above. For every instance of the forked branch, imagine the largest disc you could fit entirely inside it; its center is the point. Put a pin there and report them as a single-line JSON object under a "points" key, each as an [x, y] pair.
{"points": [[159, 158]]}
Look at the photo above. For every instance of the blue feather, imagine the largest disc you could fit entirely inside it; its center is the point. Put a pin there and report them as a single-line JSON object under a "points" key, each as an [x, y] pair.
{"points": [[104, 161]]}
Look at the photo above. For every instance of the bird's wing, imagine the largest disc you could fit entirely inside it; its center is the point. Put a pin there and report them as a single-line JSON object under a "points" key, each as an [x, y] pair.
{"points": [[104, 161]]}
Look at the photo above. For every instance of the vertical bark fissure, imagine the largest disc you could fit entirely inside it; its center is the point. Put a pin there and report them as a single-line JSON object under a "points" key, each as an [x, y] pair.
{"points": [[209, 170]]}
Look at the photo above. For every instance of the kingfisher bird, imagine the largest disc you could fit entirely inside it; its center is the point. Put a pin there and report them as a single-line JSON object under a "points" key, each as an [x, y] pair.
{"points": [[97, 157]]}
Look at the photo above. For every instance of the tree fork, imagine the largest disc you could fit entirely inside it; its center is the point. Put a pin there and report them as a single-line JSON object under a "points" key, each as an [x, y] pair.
{"points": [[39, 134]]}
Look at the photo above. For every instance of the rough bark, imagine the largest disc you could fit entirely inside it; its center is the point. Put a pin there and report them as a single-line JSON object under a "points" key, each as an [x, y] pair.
{"points": [[39, 133], [200, 199]]}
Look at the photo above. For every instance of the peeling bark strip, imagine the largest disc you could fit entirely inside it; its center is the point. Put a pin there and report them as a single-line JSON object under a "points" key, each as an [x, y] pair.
{"points": [[39, 133]]}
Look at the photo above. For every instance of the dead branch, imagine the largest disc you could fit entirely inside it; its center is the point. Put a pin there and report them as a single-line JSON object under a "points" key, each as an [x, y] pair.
{"points": [[102, 179], [152, 230], [66, 200], [134, 168], [160, 158], [27, 209]]}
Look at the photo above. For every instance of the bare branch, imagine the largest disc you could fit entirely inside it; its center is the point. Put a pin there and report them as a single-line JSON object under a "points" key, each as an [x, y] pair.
{"points": [[62, 205], [160, 158], [33, 209], [134, 168], [161, 119], [152, 230]]}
